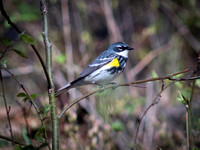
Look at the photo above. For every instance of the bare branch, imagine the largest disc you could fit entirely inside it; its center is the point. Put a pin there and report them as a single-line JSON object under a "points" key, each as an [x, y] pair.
{"points": [[30, 100], [4, 14], [169, 77], [155, 101], [9, 139], [182, 29], [7, 109]]}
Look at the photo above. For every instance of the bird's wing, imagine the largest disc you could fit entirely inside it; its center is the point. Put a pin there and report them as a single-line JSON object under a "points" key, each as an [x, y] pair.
{"points": [[99, 62]]}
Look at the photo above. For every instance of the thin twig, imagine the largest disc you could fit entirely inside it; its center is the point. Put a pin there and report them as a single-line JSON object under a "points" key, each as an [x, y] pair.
{"points": [[184, 78], [187, 127], [148, 58], [113, 28], [182, 29], [51, 91], [7, 109], [155, 101], [169, 77], [25, 115], [9, 139], [4, 14], [31, 101], [77, 100], [4, 52]]}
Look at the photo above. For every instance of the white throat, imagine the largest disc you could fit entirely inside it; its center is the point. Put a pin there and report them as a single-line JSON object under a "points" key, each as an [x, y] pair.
{"points": [[124, 53]]}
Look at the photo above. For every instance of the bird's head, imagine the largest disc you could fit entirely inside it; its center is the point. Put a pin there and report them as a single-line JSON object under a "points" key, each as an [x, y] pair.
{"points": [[120, 48]]}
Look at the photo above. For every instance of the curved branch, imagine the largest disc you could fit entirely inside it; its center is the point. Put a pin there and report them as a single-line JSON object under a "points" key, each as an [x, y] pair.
{"points": [[4, 14], [169, 77], [155, 101]]}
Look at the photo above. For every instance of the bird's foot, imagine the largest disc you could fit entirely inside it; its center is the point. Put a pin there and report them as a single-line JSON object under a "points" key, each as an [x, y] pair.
{"points": [[101, 87], [115, 84]]}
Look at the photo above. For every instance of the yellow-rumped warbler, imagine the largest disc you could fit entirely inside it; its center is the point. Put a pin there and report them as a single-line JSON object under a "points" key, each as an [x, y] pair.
{"points": [[105, 68]]}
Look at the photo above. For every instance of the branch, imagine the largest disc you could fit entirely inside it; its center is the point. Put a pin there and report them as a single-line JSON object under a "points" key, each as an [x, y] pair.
{"points": [[182, 29], [155, 101], [31, 101], [4, 52], [8, 139], [169, 77], [51, 91], [114, 31], [7, 109], [4, 14], [148, 58]]}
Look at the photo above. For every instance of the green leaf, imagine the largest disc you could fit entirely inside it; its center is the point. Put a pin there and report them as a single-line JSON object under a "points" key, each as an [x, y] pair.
{"points": [[4, 63], [181, 98], [21, 94], [117, 126], [60, 59], [39, 134], [27, 39], [19, 53], [25, 97], [33, 96], [26, 138], [7, 42]]}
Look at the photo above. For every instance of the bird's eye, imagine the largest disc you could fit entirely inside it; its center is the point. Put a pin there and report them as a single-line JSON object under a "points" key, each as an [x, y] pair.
{"points": [[122, 48]]}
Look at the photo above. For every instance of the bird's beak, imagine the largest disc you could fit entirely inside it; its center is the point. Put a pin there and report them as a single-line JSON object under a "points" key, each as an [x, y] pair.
{"points": [[130, 48]]}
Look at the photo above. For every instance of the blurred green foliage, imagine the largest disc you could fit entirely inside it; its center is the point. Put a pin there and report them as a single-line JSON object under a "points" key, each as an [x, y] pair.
{"points": [[61, 59], [117, 126]]}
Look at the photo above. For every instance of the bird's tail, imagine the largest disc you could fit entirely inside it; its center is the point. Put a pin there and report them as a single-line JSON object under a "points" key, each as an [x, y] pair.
{"points": [[63, 89]]}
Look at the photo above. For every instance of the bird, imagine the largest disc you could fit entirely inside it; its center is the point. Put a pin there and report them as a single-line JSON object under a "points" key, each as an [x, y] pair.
{"points": [[104, 69]]}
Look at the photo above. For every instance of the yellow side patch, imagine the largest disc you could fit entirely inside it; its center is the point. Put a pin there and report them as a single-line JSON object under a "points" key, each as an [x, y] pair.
{"points": [[114, 63]]}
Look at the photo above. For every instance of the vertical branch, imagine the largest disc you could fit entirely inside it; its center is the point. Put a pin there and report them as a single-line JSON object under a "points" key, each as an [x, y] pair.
{"points": [[51, 92], [111, 23], [7, 109], [187, 127], [78, 27], [67, 39]]}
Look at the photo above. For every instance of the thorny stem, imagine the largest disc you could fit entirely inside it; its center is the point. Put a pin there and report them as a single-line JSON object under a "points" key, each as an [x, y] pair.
{"points": [[51, 91]]}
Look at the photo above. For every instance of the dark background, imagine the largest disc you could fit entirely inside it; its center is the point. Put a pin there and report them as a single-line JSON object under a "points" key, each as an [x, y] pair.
{"points": [[165, 35]]}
